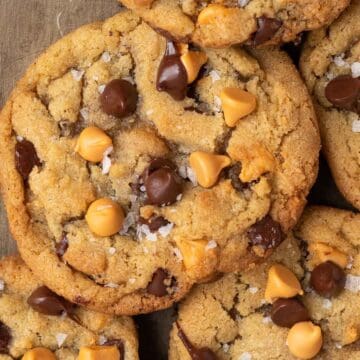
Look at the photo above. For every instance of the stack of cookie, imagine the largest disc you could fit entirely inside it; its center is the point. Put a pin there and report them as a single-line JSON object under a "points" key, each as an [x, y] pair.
{"points": [[148, 160]]}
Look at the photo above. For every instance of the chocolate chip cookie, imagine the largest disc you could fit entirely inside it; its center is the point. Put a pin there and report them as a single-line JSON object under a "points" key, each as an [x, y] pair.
{"points": [[223, 23], [134, 167], [330, 64], [37, 324], [301, 304]]}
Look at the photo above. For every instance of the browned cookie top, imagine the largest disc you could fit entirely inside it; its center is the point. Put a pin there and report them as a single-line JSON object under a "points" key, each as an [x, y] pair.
{"points": [[330, 64], [37, 324], [302, 303], [125, 185], [222, 23]]}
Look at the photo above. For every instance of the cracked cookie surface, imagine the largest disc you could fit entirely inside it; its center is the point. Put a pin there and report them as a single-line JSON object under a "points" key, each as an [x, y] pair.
{"points": [[105, 234], [223, 23], [23, 327], [330, 63], [232, 318]]}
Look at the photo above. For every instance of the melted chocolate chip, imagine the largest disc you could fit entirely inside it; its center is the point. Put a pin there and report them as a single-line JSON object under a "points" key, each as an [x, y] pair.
{"points": [[154, 223], [156, 164], [328, 279], [344, 92], [267, 28], [172, 76], [288, 312], [119, 344], [119, 98], [266, 233], [25, 158], [5, 338], [44, 301], [157, 285], [233, 174], [62, 246], [196, 354]]}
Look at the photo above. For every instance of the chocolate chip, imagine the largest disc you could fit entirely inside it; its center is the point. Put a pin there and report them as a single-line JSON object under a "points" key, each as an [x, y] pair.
{"points": [[119, 344], [267, 27], [157, 285], [5, 338], [233, 174], [119, 98], [328, 279], [172, 76], [154, 223], [343, 92], [266, 233], [44, 301], [288, 312], [62, 246], [196, 354], [25, 158], [157, 164], [163, 187]]}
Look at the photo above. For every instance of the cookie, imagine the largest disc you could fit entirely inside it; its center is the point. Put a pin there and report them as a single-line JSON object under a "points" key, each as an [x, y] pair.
{"points": [[330, 64], [37, 324], [219, 24], [125, 185], [302, 303]]}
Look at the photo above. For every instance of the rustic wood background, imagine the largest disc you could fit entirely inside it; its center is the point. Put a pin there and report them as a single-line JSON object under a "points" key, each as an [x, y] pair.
{"points": [[26, 29]]}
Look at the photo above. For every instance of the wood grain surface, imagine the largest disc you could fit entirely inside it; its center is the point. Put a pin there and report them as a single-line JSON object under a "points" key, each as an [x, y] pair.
{"points": [[26, 29]]}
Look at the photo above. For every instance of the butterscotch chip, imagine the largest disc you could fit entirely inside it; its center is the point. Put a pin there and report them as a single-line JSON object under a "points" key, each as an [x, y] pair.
{"points": [[39, 354], [321, 252], [99, 353], [193, 61]]}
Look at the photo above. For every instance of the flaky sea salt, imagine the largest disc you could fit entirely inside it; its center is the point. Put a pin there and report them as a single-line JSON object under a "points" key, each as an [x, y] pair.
{"points": [[339, 60], [2, 285], [84, 113], [253, 289], [226, 348], [267, 320], [178, 253], [106, 161], [217, 104], [106, 57], [111, 250], [179, 197], [144, 230], [77, 74], [149, 112], [245, 356], [351, 259], [191, 175], [129, 221], [132, 281], [327, 304], [352, 283], [102, 339], [101, 88], [19, 138], [111, 285], [243, 3], [338, 346], [211, 245], [60, 338], [355, 69], [164, 231], [215, 76]]}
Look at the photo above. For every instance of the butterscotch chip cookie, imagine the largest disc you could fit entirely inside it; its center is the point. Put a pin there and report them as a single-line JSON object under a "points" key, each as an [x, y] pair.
{"points": [[223, 23], [37, 324], [134, 167], [301, 304], [330, 64]]}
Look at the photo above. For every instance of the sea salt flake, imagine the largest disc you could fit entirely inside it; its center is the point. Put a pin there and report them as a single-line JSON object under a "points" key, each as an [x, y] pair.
{"points": [[338, 346], [142, 188], [102, 339], [85, 113], [226, 347], [191, 176], [132, 281], [339, 60], [245, 356], [164, 231], [129, 79], [327, 304], [106, 161], [211, 245], [329, 76], [2, 285], [149, 112], [77, 74], [179, 197], [60, 338], [215, 76], [111, 285], [355, 69], [356, 126], [267, 320], [243, 3], [144, 230], [101, 88], [106, 57], [129, 221], [352, 283], [253, 289], [178, 253], [111, 250], [351, 259], [217, 104], [19, 138]]}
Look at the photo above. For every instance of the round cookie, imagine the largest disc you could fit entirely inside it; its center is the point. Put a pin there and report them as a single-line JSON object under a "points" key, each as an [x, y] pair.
{"points": [[37, 324], [232, 319], [330, 64], [124, 184], [223, 23]]}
